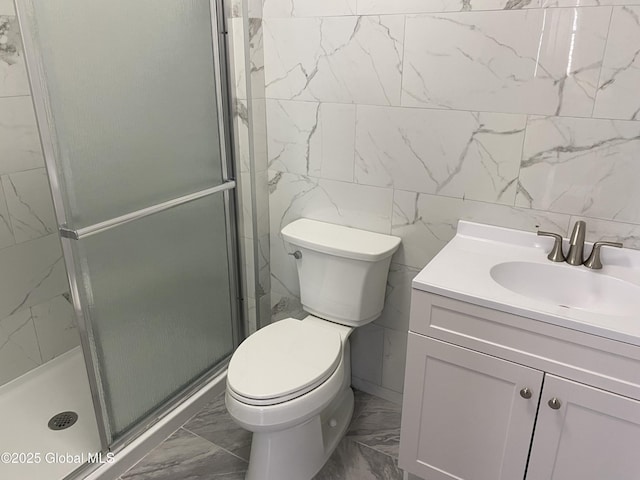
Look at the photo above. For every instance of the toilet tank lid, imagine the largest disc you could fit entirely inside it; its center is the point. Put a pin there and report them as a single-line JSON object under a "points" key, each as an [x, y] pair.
{"points": [[340, 241]]}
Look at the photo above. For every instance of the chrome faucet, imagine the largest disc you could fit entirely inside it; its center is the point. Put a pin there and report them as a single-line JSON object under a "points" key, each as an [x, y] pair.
{"points": [[556, 254], [593, 261], [576, 248], [576, 244]]}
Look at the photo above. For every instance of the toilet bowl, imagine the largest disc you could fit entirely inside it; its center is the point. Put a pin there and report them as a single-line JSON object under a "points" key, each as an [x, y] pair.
{"points": [[289, 383]]}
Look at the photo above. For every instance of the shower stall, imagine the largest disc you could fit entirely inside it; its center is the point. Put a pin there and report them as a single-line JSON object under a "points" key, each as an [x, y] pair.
{"points": [[132, 106]]}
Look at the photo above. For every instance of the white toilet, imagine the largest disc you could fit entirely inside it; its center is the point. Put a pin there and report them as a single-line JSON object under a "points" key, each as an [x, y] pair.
{"points": [[289, 383]]}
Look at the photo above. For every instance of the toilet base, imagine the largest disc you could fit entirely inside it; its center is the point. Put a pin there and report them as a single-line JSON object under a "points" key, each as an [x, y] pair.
{"points": [[299, 452]]}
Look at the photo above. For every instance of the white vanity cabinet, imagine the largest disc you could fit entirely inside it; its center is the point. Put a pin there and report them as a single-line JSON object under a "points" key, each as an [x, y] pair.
{"points": [[495, 396], [593, 434], [465, 417]]}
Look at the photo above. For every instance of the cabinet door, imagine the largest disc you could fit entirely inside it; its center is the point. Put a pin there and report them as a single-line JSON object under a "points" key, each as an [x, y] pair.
{"points": [[464, 417], [593, 435]]}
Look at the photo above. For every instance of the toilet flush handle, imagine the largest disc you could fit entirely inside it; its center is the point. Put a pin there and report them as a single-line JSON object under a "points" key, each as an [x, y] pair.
{"points": [[297, 254]]}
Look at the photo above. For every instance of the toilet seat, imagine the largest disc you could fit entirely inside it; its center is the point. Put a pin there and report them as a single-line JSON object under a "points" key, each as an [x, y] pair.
{"points": [[283, 361]]}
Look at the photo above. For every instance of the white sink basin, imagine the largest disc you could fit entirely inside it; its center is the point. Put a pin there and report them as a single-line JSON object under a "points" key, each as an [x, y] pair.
{"points": [[508, 270], [569, 287]]}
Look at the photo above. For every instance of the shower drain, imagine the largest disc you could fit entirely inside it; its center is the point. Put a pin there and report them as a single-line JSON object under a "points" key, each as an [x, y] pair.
{"points": [[63, 420]]}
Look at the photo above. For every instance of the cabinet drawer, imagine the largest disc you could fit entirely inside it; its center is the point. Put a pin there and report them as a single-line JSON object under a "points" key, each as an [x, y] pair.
{"points": [[597, 361]]}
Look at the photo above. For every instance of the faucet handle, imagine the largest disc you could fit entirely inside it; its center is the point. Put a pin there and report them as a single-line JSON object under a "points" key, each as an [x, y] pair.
{"points": [[593, 261], [556, 254]]}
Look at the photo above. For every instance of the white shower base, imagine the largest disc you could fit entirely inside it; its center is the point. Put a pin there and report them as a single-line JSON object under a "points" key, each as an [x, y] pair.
{"points": [[27, 404]]}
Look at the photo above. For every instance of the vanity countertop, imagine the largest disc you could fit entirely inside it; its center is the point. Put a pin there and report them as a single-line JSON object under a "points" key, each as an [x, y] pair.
{"points": [[600, 302]]}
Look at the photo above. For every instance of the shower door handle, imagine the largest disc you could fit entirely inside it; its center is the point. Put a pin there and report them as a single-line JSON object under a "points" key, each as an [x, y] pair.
{"points": [[144, 212]]}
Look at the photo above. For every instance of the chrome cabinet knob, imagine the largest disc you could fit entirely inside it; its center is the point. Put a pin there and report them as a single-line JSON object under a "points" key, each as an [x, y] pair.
{"points": [[555, 403], [525, 393]]}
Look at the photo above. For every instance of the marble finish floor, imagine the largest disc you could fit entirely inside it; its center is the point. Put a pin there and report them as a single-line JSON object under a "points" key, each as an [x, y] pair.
{"points": [[211, 446]]}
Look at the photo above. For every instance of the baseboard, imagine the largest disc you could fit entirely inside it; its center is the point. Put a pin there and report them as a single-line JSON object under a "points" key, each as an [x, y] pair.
{"points": [[376, 390]]}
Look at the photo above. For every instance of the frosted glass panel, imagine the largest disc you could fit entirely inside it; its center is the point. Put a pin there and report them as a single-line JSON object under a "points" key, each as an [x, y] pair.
{"points": [[132, 91], [158, 298]]}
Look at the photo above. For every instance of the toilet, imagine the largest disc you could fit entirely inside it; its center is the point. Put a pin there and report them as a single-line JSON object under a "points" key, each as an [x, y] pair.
{"points": [[290, 382]]}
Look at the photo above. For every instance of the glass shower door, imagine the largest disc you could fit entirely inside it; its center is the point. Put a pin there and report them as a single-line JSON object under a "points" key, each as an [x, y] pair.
{"points": [[130, 103]]}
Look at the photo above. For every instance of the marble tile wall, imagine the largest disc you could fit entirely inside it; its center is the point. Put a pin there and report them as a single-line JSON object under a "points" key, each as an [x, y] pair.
{"points": [[403, 117], [36, 317]]}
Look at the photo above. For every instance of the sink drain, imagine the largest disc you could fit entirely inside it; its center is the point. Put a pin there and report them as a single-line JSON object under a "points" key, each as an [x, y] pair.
{"points": [[63, 420]]}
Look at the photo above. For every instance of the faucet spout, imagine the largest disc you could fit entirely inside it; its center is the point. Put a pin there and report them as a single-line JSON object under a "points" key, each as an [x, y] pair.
{"points": [[576, 244]]}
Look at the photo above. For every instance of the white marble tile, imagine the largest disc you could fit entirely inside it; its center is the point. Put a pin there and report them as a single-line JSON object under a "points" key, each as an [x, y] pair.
{"points": [[55, 325], [19, 140], [234, 9], [254, 8], [609, 231], [394, 359], [618, 92], [308, 8], [577, 3], [359, 206], [370, 7], [7, 8], [311, 138], [264, 266], [250, 315], [454, 153], [13, 73], [395, 314], [290, 127], [32, 272], [245, 210], [367, 350], [521, 61], [283, 304], [258, 112], [241, 135], [256, 58], [261, 193], [6, 231], [238, 51], [295, 196], [264, 310], [18, 346], [245, 252], [582, 167], [30, 204], [427, 222], [335, 59]]}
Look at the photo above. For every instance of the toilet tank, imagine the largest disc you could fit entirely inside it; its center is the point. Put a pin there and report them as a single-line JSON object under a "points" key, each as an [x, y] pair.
{"points": [[342, 270]]}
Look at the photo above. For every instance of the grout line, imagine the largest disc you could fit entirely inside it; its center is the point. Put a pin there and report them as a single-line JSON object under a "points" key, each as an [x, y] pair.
{"points": [[604, 56], [355, 143], [10, 218], [148, 454], [379, 452], [442, 109], [402, 63], [35, 330], [214, 444]]}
